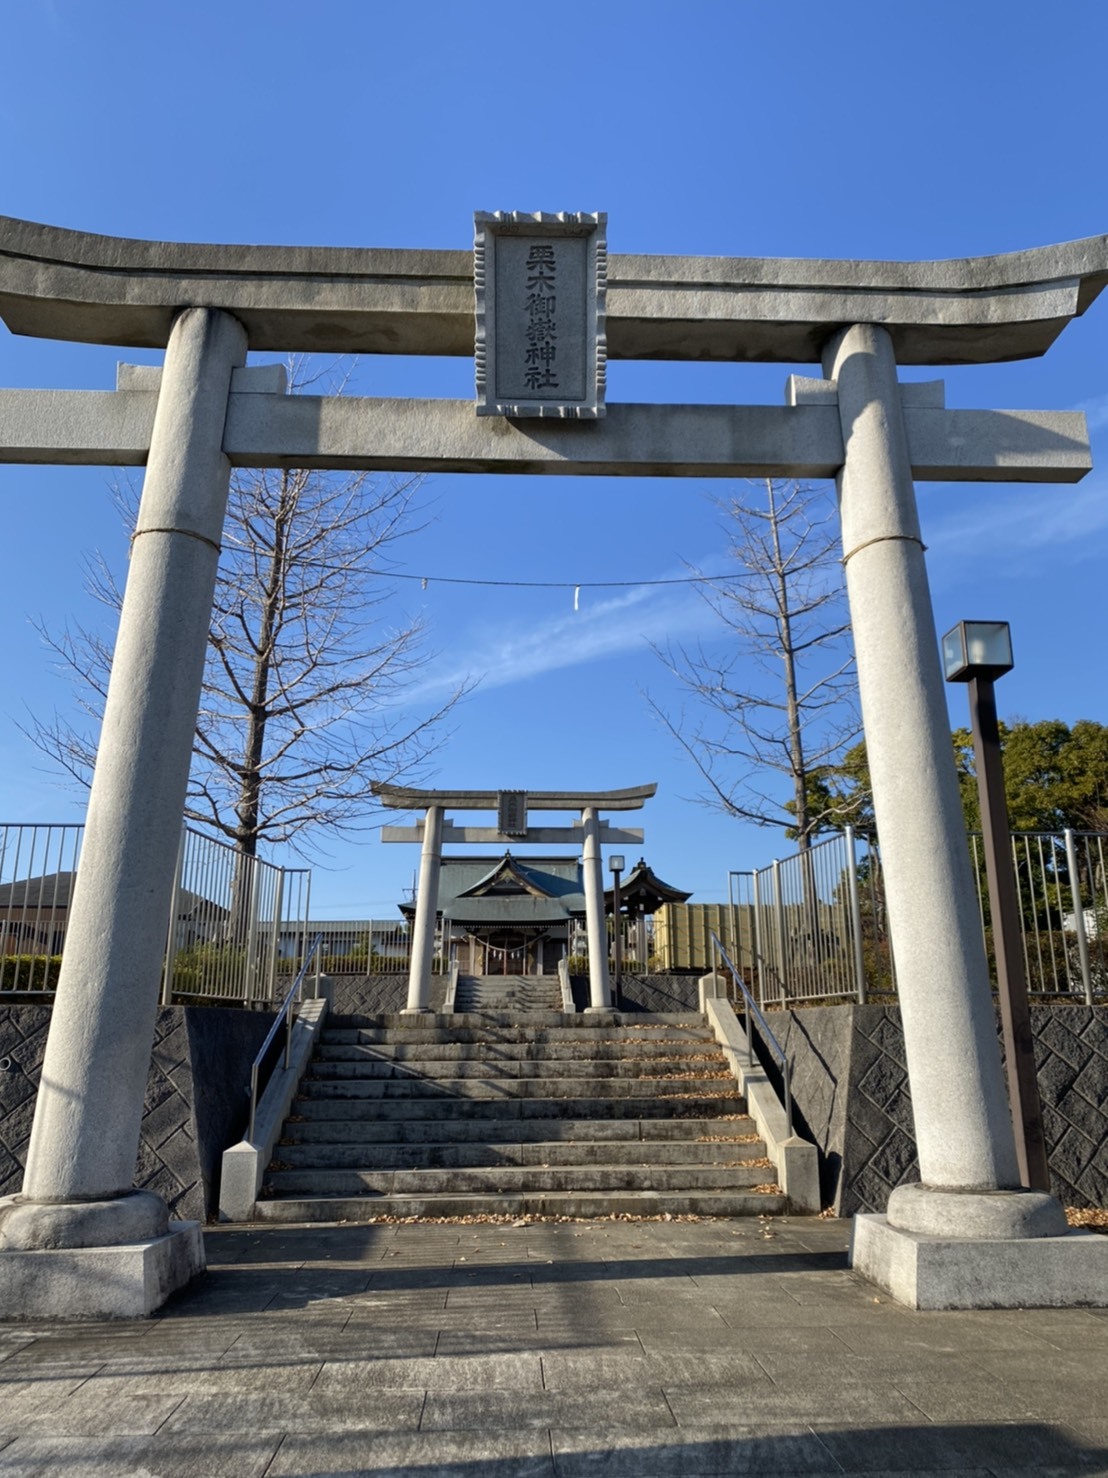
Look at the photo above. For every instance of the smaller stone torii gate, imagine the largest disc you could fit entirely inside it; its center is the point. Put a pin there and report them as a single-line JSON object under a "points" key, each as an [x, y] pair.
{"points": [[511, 807], [538, 304]]}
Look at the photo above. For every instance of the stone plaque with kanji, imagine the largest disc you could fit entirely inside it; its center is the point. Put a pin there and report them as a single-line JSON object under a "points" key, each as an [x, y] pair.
{"points": [[512, 813], [539, 282]]}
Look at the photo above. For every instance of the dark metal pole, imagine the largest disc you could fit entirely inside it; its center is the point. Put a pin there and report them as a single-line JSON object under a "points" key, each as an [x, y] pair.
{"points": [[618, 932], [1015, 1013]]}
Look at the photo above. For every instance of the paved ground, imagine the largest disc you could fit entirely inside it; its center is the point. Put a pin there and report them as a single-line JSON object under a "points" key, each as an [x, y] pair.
{"points": [[605, 1348]]}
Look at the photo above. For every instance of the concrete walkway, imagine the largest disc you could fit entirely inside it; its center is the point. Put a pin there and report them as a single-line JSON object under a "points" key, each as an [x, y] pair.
{"points": [[637, 1348]]}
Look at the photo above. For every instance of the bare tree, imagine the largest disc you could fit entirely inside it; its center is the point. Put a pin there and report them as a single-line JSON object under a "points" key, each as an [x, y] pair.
{"points": [[303, 698], [779, 701]]}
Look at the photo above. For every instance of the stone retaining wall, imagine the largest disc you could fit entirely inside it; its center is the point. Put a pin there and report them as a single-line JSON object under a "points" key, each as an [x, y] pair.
{"points": [[353, 995], [850, 1090], [196, 1104], [849, 1083], [646, 992], [375, 995]]}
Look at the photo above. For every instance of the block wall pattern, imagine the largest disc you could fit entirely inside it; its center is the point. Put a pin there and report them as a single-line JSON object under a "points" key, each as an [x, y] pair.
{"points": [[195, 1103], [850, 1086]]}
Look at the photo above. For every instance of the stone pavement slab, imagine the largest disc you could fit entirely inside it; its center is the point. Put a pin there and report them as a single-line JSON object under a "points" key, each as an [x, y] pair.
{"points": [[557, 1349]]}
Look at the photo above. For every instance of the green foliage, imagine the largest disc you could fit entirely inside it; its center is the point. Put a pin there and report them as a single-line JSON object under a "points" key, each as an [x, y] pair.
{"points": [[1055, 777], [208, 968], [29, 972], [359, 961]]}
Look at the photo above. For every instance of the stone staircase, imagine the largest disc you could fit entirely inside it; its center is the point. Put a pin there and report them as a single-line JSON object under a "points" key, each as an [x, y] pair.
{"points": [[562, 1115], [509, 993]]}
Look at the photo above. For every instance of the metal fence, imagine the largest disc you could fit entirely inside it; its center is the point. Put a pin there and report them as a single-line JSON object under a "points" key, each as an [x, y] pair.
{"points": [[369, 946], [1062, 885], [638, 955], [813, 927], [236, 923]]}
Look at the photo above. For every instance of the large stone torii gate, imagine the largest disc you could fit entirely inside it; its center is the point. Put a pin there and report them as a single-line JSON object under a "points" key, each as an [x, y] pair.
{"points": [[79, 1239]]}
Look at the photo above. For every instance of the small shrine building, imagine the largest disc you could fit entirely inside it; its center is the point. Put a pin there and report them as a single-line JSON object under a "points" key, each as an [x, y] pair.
{"points": [[521, 915]]}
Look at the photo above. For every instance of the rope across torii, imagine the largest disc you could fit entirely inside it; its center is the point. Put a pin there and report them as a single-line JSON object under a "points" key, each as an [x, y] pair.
{"points": [[202, 413]]}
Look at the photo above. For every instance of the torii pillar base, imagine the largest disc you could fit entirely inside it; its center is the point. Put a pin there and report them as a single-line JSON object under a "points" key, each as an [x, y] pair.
{"points": [[127, 1280], [1069, 1271], [943, 1249]]}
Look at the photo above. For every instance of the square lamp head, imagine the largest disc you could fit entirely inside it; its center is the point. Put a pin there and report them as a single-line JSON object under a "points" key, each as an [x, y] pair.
{"points": [[977, 649], [616, 863]]}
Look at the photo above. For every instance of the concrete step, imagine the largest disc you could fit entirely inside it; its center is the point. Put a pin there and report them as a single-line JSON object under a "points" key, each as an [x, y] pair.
{"points": [[368, 1068], [495, 986], [490, 1133], [474, 1154], [351, 1085], [499, 1180], [502, 1026], [584, 1204], [648, 1106], [599, 1049], [483, 1113]]}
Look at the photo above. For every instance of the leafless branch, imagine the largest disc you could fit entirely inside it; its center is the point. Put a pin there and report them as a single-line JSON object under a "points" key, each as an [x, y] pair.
{"points": [[780, 705], [302, 706]]}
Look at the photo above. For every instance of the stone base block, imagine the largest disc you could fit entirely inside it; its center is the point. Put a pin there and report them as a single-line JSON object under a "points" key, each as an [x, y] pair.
{"points": [[126, 1282], [948, 1273]]}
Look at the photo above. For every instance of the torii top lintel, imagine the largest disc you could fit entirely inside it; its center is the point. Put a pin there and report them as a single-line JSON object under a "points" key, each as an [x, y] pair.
{"points": [[407, 798], [61, 284]]}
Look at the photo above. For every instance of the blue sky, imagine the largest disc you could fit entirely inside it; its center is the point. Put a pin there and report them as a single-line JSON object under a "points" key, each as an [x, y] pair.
{"points": [[860, 129]]}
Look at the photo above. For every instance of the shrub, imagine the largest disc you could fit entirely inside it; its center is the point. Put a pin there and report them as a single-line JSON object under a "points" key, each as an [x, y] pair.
{"points": [[29, 972]]}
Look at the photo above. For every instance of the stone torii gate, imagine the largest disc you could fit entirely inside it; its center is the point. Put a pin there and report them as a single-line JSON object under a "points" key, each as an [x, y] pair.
{"points": [[511, 807], [79, 1238]]}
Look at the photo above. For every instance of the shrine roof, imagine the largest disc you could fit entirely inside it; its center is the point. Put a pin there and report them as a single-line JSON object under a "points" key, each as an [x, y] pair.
{"points": [[545, 889], [643, 891]]}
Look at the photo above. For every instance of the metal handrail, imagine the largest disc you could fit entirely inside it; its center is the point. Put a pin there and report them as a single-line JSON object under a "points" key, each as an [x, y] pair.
{"points": [[450, 1001], [283, 1015], [752, 1014]]}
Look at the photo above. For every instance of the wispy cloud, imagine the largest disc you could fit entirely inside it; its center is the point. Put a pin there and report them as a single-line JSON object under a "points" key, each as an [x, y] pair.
{"points": [[1096, 411], [1032, 521], [601, 628]]}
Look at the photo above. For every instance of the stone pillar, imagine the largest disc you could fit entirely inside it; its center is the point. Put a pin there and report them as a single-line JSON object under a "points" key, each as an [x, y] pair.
{"points": [[77, 1191], [427, 907], [963, 1128], [600, 990]]}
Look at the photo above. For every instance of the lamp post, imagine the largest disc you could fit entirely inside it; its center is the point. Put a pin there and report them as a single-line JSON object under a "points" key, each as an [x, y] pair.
{"points": [[616, 865], [976, 653]]}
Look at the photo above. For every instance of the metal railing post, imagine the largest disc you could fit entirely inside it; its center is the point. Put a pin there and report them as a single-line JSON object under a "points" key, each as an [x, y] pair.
{"points": [[855, 915], [779, 926], [760, 954], [1078, 916], [251, 982], [275, 934], [174, 915]]}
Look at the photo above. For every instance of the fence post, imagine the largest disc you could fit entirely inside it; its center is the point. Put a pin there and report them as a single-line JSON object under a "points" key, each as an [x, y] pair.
{"points": [[251, 982], [855, 915], [275, 935], [307, 925], [1078, 916], [779, 927], [174, 914], [758, 951]]}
